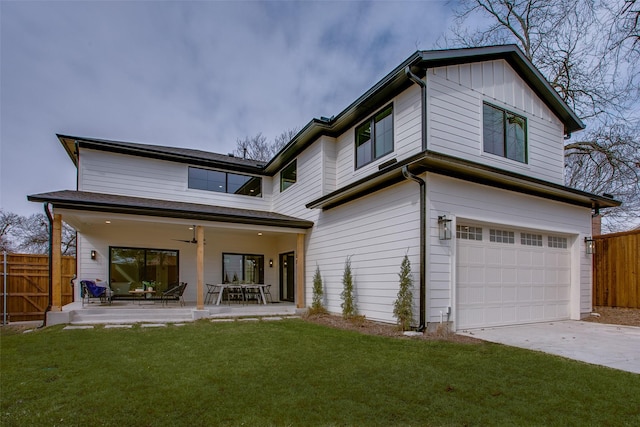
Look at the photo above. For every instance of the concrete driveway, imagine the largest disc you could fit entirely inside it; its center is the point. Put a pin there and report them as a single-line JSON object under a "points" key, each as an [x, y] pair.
{"points": [[614, 346]]}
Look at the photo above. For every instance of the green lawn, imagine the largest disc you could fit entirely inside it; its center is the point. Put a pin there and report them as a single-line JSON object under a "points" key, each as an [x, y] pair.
{"points": [[293, 373]]}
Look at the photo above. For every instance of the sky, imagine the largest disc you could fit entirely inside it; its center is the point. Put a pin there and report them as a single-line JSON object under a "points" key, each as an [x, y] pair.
{"points": [[194, 74]]}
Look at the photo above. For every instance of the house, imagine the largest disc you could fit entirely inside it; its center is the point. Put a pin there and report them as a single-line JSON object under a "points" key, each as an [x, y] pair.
{"points": [[455, 158]]}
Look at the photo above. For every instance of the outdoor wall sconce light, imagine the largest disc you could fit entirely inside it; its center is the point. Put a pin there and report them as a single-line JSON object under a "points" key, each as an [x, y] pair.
{"points": [[93, 254], [589, 245], [270, 263], [444, 228]]}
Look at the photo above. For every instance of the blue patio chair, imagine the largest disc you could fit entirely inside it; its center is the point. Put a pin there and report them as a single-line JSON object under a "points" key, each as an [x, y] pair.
{"points": [[90, 290]]}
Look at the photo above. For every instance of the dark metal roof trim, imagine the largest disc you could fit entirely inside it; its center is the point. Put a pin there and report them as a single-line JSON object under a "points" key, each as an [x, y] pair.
{"points": [[99, 202], [442, 164], [174, 154]]}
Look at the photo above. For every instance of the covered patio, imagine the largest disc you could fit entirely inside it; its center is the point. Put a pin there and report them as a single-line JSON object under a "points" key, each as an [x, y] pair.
{"points": [[130, 242]]}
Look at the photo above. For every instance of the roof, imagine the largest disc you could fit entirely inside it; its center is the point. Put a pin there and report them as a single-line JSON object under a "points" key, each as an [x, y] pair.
{"points": [[89, 201], [390, 85], [442, 164], [174, 154], [397, 81]]}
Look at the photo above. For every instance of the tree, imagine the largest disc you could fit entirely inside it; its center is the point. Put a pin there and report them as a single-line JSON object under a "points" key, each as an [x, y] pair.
{"points": [[258, 148], [317, 307], [589, 51], [403, 305], [31, 234], [348, 305]]}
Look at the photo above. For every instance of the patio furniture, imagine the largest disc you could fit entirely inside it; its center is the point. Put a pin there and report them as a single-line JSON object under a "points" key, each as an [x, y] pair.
{"points": [[174, 293], [90, 290], [142, 294], [235, 293], [267, 293], [212, 292]]}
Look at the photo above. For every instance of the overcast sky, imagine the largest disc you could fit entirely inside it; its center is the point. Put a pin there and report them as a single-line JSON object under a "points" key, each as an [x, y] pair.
{"points": [[196, 74]]}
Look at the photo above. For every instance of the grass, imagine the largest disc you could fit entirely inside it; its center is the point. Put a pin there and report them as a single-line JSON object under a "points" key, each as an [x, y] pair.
{"points": [[293, 373]]}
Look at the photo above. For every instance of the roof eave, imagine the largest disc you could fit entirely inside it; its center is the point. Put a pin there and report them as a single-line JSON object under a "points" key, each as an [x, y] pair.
{"points": [[461, 169]]}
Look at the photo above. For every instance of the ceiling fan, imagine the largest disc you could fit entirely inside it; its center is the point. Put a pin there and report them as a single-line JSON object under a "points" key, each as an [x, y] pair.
{"points": [[193, 240]]}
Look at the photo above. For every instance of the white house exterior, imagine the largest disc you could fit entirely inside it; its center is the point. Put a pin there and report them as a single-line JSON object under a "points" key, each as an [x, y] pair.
{"points": [[470, 136]]}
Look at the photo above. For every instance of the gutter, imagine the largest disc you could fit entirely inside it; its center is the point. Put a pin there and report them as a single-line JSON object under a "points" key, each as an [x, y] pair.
{"points": [[423, 200], [423, 241], [50, 218], [423, 92]]}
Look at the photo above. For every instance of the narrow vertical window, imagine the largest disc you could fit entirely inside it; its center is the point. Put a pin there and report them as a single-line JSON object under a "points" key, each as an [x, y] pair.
{"points": [[374, 137], [288, 176]]}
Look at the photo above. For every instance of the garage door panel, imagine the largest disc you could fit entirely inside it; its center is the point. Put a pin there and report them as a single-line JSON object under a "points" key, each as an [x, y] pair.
{"points": [[510, 283]]}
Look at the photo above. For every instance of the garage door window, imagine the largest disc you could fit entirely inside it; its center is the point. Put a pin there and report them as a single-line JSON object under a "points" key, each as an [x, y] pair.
{"points": [[468, 233], [557, 242], [529, 239], [502, 236]]}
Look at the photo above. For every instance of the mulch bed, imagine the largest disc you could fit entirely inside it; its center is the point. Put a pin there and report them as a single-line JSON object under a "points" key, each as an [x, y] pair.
{"points": [[615, 316]]}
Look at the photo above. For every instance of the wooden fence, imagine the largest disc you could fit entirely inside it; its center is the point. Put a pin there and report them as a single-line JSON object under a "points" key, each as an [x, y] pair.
{"points": [[28, 285], [616, 270]]}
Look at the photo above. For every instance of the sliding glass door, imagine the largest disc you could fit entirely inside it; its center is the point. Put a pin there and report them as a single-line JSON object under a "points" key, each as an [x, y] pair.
{"points": [[129, 267]]}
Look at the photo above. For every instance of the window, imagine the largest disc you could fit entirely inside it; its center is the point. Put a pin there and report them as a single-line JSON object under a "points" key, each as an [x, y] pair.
{"points": [[374, 138], [502, 236], [557, 242], [135, 265], [242, 268], [468, 233], [288, 176], [531, 239], [225, 182], [504, 133]]}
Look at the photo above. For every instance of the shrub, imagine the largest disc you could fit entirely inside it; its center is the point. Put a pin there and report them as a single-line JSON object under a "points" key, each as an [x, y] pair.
{"points": [[316, 305], [348, 305], [403, 306]]}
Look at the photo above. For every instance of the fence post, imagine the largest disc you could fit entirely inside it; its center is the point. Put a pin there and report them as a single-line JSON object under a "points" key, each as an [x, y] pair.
{"points": [[4, 288]]}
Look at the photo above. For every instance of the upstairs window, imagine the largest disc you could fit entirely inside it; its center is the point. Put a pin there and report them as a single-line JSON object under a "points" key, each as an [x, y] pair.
{"points": [[504, 133], [288, 176], [225, 182], [374, 138]]}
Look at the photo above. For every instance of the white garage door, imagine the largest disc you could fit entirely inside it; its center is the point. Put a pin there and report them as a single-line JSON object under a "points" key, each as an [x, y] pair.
{"points": [[508, 276]]}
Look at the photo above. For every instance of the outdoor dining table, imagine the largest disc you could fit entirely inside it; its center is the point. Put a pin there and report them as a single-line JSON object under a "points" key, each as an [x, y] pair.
{"points": [[244, 287]]}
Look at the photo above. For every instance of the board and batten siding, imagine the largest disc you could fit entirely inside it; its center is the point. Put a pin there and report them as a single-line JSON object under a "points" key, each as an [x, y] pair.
{"points": [[463, 200], [376, 232], [125, 175], [454, 113], [406, 138]]}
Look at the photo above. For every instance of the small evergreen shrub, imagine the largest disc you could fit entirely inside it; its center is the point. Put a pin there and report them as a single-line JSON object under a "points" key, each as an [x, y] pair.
{"points": [[317, 307], [403, 306], [348, 305]]}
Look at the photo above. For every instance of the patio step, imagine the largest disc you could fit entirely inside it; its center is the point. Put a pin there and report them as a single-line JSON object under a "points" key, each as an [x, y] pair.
{"points": [[130, 315]]}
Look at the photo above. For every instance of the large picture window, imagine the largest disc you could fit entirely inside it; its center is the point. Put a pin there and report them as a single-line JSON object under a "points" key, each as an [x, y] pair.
{"points": [[242, 268], [225, 182], [129, 267], [504, 133], [374, 138]]}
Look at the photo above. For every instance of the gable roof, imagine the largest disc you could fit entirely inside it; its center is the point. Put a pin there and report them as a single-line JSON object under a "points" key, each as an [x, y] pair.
{"points": [[397, 81], [100, 202]]}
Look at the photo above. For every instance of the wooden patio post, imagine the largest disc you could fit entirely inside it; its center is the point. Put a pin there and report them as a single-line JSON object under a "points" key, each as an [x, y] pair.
{"points": [[200, 267], [300, 256], [56, 264]]}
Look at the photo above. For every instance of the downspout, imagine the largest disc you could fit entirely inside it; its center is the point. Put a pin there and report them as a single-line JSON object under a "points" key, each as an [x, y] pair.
{"points": [[423, 241], [423, 92], [423, 200], [50, 217]]}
